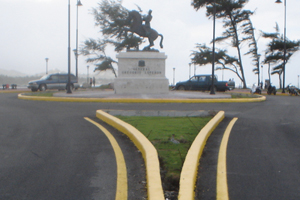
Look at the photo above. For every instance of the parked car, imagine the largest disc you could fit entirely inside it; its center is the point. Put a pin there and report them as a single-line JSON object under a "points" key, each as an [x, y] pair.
{"points": [[204, 82], [53, 81]]}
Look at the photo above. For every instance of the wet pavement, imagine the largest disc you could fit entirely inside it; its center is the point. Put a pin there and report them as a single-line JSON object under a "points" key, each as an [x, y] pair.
{"points": [[110, 94]]}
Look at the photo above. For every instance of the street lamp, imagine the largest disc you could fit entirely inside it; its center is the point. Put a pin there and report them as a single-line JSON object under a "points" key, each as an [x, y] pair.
{"points": [[87, 74], [76, 50], [262, 76], [46, 65], [212, 88], [190, 70], [284, 54], [76, 61], [69, 50], [173, 76]]}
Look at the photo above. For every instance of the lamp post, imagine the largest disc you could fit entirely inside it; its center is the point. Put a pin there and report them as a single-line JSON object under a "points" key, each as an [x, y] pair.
{"points": [[284, 54], [212, 88], [87, 75], [76, 50], [69, 50], [46, 65], [262, 77], [173, 76], [190, 70]]}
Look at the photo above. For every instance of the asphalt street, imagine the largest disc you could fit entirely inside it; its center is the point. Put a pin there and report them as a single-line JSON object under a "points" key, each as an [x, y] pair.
{"points": [[47, 149], [263, 152]]}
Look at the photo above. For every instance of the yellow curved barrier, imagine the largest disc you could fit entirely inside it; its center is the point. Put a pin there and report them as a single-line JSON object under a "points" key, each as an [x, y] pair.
{"points": [[154, 185], [136, 100], [189, 170]]}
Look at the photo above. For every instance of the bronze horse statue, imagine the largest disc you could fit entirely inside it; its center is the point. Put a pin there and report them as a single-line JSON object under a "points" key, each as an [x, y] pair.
{"points": [[135, 21]]}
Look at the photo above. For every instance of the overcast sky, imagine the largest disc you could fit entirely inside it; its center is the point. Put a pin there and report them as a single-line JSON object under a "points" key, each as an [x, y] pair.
{"points": [[32, 30]]}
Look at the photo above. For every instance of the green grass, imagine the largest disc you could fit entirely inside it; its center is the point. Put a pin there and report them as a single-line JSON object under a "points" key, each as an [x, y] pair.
{"points": [[103, 87], [243, 95], [41, 94], [159, 131]]}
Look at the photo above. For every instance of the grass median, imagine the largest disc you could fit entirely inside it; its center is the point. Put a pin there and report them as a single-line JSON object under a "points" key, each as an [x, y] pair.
{"points": [[172, 137], [40, 94]]}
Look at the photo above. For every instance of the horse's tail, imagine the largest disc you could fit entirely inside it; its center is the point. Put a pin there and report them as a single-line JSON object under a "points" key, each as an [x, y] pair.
{"points": [[161, 40]]}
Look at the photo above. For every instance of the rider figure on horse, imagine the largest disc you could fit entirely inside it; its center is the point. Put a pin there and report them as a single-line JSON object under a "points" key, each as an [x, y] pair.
{"points": [[135, 22], [147, 19]]}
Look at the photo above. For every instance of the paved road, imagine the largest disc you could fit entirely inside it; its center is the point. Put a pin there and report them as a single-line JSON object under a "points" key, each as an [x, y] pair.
{"points": [[263, 152], [263, 149], [49, 151]]}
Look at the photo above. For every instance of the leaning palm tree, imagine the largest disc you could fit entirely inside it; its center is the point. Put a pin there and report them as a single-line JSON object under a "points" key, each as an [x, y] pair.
{"points": [[95, 50], [279, 51]]}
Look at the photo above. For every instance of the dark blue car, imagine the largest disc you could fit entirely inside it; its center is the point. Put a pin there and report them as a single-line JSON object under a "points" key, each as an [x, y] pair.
{"points": [[53, 81], [204, 82]]}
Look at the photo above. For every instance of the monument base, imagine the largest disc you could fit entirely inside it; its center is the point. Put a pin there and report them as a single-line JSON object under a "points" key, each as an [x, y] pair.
{"points": [[141, 86], [141, 72]]}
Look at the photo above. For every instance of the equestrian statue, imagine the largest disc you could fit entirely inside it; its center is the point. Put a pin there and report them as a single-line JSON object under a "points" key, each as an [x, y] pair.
{"points": [[135, 23]]}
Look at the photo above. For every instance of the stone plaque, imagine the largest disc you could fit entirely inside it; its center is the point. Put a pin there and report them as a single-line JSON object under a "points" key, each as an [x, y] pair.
{"points": [[141, 72]]}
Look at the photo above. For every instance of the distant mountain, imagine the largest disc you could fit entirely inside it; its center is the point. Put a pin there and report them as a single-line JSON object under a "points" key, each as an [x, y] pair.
{"points": [[12, 73], [101, 75], [21, 79], [53, 71]]}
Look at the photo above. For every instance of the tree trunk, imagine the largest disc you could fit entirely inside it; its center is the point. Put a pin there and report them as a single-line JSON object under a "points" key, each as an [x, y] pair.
{"points": [[112, 68], [239, 52], [269, 72], [280, 85]]}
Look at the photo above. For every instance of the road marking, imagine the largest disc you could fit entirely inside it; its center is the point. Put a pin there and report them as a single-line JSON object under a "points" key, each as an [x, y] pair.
{"points": [[121, 190], [222, 187], [188, 175], [154, 185], [139, 100]]}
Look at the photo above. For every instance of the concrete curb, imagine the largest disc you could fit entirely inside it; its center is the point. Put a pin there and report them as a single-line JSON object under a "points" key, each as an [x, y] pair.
{"points": [[12, 91], [189, 170], [160, 113], [137, 100], [154, 185]]}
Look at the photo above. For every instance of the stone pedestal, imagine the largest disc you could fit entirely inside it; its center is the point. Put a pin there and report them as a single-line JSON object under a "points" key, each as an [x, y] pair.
{"points": [[141, 72]]}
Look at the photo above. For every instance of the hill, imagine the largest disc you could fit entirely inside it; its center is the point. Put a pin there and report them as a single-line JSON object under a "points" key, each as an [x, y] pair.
{"points": [[21, 79], [11, 73]]}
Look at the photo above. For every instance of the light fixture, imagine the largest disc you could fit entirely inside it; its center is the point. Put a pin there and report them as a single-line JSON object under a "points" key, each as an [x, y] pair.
{"points": [[76, 50], [80, 4], [284, 55], [69, 50], [46, 65], [212, 87]]}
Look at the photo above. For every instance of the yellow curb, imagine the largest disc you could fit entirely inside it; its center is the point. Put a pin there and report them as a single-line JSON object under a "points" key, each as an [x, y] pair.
{"points": [[122, 184], [222, 187], [154, 185], [189, 170], [125, 100], [12, 91]]}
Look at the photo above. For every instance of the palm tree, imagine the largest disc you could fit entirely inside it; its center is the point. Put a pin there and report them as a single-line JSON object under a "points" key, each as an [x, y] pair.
{"points": [[234, 17], [274, 53], [95, 49]]}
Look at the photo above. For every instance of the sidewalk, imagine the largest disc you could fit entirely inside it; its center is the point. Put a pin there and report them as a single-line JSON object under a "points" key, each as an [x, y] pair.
{"points": [[109, 94]]}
